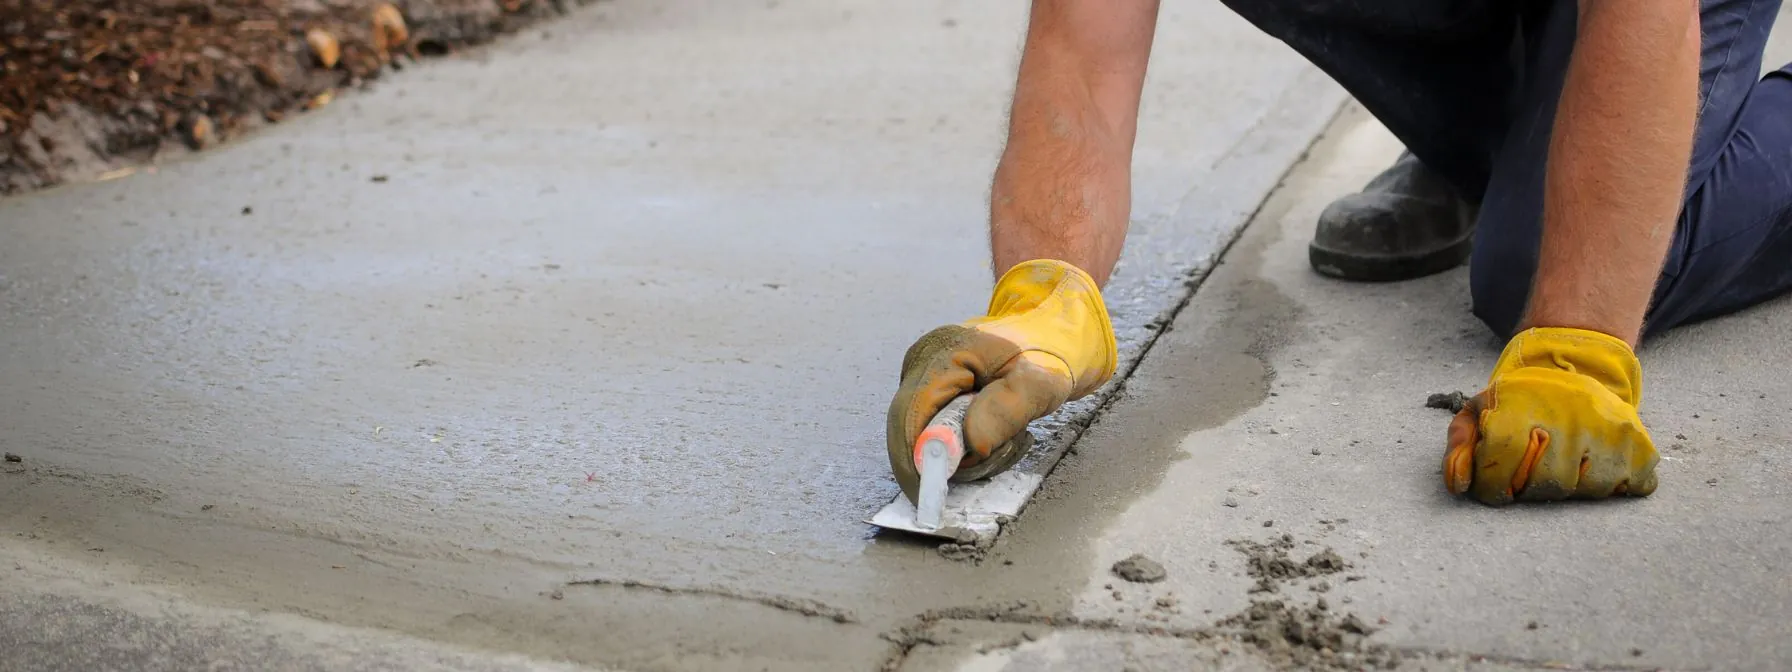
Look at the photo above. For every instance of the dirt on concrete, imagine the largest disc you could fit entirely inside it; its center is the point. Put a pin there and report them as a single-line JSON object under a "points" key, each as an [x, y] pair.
{"points": [[91, 89], [1272, 566], [1310, 636]]}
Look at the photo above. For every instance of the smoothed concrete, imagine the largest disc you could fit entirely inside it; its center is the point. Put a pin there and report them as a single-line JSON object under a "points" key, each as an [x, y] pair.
{"points": [[609, 392], [80, 619], [1284, 403], [1337, 449], [579, 346]]}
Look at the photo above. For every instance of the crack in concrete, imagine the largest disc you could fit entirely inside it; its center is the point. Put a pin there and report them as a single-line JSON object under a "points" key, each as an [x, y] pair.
{"points": [[917, 632], [1501, 659], [795, 605]]}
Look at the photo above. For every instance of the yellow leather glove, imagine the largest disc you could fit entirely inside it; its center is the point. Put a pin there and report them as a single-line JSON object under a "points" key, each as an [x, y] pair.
{"points": [[1558, 420], [1045, 340]]}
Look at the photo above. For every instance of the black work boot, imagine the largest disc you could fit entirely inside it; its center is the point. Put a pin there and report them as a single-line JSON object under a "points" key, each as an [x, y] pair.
{"points": [[1406, 223]]}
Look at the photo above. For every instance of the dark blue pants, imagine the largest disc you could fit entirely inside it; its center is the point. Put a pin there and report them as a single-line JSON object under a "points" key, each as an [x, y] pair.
{"points": [[1470, 86]]}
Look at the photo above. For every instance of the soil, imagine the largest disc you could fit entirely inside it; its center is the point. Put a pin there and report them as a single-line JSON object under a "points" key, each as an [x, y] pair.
{"points": [[1450, 401], [95, 88], [1140, 569]]}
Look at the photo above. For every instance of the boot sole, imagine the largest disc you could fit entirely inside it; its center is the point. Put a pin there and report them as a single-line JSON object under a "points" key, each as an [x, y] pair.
{"points": [[1388, 268]]}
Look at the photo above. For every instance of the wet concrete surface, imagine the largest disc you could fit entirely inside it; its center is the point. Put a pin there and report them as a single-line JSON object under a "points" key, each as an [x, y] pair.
{"points": [[575, 347], [607, 393]]}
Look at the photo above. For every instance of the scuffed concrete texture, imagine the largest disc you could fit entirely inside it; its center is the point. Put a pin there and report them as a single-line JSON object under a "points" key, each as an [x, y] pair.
{"points": [[1338, 450], [961, 646], [579, 346], [1045, 649], [57, 618]]}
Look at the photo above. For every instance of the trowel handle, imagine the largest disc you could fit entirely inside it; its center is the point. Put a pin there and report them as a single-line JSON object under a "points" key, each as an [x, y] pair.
{"points": [[947, 430]]}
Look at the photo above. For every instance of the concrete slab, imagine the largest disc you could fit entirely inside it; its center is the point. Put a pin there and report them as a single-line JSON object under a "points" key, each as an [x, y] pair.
{"points": [[1284, 403], [578, 346], [1074, 649], [593, 376], [70, 619]]}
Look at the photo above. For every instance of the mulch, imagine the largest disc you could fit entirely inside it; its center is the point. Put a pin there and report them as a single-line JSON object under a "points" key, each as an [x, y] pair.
{"points": [[89, 87]]}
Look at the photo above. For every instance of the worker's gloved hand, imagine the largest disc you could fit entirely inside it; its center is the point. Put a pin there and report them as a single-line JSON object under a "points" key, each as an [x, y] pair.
{"points": [[1046, 340], [1558, 420]]}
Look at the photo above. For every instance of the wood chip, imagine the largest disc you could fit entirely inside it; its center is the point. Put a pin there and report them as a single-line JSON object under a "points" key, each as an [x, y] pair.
{"points": [[389, 32], [320, 100], [324, 47]]}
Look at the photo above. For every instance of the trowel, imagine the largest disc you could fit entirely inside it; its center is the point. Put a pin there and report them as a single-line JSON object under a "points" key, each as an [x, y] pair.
{"points": [[963, 512], [938, 450]]}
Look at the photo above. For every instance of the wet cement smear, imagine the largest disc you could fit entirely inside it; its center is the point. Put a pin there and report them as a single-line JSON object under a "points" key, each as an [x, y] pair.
{"points": [[1209, 369]]}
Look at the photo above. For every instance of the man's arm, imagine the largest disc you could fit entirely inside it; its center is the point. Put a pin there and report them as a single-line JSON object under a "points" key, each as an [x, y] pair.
{"points": [[1558, 419], [1617, 164], [1063, 187]]}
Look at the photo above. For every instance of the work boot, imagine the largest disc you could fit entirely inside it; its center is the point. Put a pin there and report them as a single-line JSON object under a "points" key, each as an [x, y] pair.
{"points": [[1406, 223]]}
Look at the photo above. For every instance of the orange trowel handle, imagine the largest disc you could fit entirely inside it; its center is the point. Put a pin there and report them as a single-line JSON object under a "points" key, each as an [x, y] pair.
{"points": [[946, 427]]}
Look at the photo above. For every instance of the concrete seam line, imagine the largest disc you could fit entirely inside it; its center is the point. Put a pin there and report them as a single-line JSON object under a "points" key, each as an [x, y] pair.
{"points": [[1295, 107], [795, 605], [1212, 634]]}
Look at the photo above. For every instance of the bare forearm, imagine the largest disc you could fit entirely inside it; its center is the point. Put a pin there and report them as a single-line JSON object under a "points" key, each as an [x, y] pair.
{"points": [[1617, 164], [1063, 187], [1062, 191]]}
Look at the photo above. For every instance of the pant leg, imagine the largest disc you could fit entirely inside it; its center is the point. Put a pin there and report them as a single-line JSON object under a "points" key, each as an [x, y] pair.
{"points": [[1741, 250], [1439, 74], [1734, 214]]}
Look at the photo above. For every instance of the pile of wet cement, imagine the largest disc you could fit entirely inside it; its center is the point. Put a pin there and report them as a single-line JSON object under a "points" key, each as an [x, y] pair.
{"points": [[1310, 637], [1140, 569], [1271, 566], [1449, 401]]}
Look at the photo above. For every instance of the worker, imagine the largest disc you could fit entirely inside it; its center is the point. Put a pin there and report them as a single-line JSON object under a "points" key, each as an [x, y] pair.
{"points": [[1608, 169]]}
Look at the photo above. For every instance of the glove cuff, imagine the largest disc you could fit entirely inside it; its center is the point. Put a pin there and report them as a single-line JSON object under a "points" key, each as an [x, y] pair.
{"points": [[1602, 357], [1084, 336]]}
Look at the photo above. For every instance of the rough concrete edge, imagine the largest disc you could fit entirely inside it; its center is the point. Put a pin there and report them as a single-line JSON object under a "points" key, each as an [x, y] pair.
{"points": [[21, 177], [1247, 174], [1405, 658], [58, 596]]}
